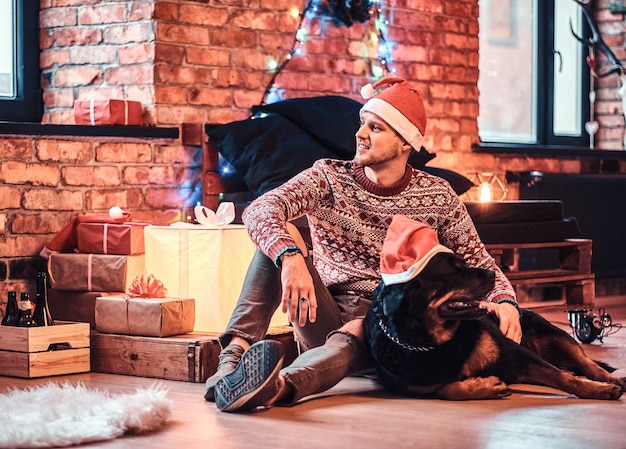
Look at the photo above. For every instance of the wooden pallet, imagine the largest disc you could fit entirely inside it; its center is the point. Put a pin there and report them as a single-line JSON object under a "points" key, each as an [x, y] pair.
{"points": [[573, 272]]}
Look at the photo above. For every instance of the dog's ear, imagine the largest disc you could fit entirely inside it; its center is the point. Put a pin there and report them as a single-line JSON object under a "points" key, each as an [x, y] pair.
{"points": [[392, 297], [391, 304]]}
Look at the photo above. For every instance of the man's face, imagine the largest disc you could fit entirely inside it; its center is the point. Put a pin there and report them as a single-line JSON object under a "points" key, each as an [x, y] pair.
{"points": [[376, 141]]}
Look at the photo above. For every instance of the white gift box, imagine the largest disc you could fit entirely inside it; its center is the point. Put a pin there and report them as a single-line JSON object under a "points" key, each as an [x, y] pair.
{"points": [[207, 264]]}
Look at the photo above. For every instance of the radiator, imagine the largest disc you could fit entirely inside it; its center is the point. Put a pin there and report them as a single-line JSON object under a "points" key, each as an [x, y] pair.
{"points": [[598, 202]]}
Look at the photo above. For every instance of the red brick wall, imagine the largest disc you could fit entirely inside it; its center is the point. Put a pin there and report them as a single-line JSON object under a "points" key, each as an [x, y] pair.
{"points": [[609, 111], [92, 49], [199, 62]]}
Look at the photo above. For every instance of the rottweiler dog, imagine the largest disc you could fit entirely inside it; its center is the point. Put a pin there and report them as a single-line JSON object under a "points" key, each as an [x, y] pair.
{"points": [[432, 337]]}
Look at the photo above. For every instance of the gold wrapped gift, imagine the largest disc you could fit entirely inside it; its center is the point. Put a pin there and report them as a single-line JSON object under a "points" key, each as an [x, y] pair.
{"points": [[207, 264]]}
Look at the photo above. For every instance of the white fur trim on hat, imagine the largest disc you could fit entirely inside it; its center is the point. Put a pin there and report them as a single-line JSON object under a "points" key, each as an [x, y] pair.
{"points": [[396, 119], [408, 247], [399, 104]]}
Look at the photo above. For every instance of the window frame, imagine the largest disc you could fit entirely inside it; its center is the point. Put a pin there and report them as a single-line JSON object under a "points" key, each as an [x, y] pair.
{"points": [[545, 138], [27, 105]]}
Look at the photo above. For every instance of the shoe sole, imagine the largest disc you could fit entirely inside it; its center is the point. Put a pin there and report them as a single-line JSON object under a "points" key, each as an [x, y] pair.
{"points": [[210, 383], [209, 394], [258, 368]]}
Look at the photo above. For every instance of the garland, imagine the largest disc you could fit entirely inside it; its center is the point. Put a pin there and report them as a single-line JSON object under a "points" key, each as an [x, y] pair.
{"points": [[346, 12]]}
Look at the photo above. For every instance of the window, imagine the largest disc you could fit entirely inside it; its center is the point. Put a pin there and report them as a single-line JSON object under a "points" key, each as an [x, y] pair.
{"points": [[20, 93], [534, 79]]}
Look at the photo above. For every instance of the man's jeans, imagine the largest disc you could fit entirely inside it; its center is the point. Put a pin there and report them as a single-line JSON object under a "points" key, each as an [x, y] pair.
{"points": [[329, 356]]}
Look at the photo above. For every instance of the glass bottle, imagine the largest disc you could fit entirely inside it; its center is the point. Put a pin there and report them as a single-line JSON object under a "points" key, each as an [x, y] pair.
{"points": [[26, 307], [12, 313], [42, 311]]}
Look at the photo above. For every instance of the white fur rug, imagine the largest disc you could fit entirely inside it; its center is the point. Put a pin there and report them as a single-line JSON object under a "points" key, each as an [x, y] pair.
{"points": [[57, 415]]}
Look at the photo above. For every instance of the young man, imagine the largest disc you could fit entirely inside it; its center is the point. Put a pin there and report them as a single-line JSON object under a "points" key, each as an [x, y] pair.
{"points": [[349, 206]]}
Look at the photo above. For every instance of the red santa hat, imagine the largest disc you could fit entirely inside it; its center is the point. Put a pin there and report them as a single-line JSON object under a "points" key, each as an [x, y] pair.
{"points": [[408, 247], [398, 103]]}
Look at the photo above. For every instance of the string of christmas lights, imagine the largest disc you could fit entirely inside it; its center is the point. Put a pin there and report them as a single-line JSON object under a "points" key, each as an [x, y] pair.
{"points": [[345, 12]]}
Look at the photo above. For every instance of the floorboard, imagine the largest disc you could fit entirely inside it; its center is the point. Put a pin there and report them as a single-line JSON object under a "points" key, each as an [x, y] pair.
{"points": [[357, 413]]}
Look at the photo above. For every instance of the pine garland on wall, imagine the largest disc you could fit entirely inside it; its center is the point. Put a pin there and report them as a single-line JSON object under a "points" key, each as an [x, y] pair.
{"points": [[344, 13]]}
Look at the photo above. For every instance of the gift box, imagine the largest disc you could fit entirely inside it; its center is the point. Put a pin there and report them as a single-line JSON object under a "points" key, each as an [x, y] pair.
{"points": [[148, 317], [108, 112], [207, 264], [94, 272], [75, 306], [108, 238]]}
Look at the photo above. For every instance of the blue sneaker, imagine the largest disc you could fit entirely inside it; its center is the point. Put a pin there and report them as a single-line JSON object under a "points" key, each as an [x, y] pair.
{"points": [[228, 360], [255, 380]]}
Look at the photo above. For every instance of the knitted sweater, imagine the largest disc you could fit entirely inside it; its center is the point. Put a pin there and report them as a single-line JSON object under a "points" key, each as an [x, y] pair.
{"points": [[349, 215]]}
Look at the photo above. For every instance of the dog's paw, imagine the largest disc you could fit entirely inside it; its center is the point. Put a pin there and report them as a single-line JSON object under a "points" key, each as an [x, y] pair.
{"points": [[620, 382], [591, 389], [476, 388]]}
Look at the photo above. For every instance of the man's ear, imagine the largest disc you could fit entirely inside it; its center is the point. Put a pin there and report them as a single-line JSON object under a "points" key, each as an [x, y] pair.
{"points": [[407, 148]]}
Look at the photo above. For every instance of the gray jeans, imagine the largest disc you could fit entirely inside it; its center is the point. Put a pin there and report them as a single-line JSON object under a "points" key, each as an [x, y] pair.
{"points": [[329, 353]]}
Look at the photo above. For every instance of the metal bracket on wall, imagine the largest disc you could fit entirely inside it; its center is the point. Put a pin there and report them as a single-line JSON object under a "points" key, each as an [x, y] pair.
{"points": [[617, 6]]}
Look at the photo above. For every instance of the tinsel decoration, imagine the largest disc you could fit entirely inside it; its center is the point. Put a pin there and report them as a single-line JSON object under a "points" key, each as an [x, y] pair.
{"points": [[346, 12]]}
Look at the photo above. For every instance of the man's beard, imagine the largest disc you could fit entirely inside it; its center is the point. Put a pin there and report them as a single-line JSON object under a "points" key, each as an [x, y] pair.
{"points": [[368, 159]]}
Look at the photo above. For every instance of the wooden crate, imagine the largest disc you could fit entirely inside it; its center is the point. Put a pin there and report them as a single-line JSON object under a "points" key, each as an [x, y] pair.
{"points": [[44, 351], [185, 357], [189, 357]]}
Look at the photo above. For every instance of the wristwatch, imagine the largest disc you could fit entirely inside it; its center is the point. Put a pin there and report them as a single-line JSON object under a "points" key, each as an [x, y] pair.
{"points": [[287, 252]]}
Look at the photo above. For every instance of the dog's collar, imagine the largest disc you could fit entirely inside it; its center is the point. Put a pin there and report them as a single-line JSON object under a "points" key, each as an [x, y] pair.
{"points": [[401, 343]]}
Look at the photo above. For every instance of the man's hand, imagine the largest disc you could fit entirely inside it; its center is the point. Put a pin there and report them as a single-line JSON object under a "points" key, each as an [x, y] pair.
{"points": [[298, 290], [509, 319]]}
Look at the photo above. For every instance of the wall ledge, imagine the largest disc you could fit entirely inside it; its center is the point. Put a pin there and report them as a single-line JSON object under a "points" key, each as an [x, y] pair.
{"points": [[547, 151], [77, 132]]}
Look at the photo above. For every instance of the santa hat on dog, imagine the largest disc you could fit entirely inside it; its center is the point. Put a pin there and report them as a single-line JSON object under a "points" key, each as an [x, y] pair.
{"points": [[408, 247], [398, 103]]}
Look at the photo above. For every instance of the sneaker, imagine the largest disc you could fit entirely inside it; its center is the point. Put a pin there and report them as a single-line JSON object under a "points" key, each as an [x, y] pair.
{"points": [[228, 360], [254, 382]]}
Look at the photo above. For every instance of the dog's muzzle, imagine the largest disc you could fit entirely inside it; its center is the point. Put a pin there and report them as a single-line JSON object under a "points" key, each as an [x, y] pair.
{"points": [[462, 309]]}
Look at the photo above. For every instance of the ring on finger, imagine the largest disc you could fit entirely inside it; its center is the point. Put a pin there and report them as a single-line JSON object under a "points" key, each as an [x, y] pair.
{"points": [[304, 299]]}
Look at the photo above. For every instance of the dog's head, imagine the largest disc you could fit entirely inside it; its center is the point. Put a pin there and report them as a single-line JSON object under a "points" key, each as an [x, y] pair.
{"points": [[432, 304]]}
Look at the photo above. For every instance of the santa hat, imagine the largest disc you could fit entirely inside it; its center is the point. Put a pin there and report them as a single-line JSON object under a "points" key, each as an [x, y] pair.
{"points": [[408, 247], [399, 104]]}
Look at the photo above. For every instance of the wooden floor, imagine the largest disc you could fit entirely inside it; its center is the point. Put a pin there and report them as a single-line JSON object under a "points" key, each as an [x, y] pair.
{"points": [[357, 413]]}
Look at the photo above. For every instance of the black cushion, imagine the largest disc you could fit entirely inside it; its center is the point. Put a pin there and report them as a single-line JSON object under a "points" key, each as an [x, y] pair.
{"points": [[286, 137], [459, 183], [332, 120], [267, 151]]}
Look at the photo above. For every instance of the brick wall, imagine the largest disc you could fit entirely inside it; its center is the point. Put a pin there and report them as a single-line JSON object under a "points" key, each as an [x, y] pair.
{"points": [[608, 109], [45, 182], [92, 49], [190, 62]]}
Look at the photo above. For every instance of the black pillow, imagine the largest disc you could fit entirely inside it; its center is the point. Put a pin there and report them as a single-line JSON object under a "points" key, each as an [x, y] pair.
{"points": [[419, 159], [266, 151], [288, 136], [459, 183], [332, 120]]}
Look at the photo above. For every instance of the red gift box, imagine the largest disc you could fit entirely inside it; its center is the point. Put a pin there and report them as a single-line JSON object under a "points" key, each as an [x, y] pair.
{"points": [[108, 112], [108, 238]]}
